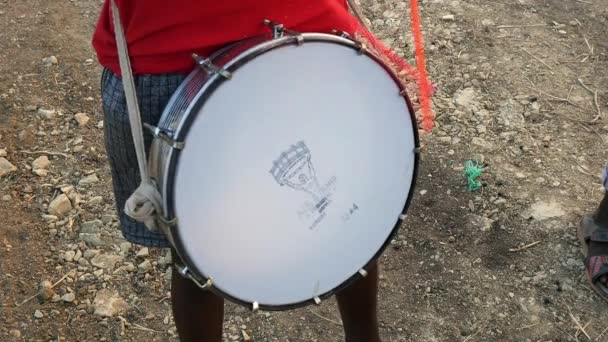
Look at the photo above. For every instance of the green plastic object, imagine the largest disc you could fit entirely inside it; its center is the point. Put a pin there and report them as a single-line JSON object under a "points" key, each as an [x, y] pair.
{"points": [[472, 172]]}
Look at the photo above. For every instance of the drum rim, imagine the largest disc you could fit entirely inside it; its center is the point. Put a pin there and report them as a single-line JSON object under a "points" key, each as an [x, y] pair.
{"points": [[213, 82]]}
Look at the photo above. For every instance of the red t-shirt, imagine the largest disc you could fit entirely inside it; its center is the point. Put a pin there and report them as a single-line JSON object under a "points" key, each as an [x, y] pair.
{"points": [[162, 35]]}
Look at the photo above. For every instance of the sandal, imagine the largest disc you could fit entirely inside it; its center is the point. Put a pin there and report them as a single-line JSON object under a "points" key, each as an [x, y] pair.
{"points": [[596, 266]]}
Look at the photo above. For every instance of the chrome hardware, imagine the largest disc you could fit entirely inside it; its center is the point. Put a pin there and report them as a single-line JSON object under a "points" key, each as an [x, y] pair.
{"points": [[279, 31], [402, 217], [209, 67], [317, 300], [363, 273], [342, 34], [185, 272], [165, 135], [360, 46]]}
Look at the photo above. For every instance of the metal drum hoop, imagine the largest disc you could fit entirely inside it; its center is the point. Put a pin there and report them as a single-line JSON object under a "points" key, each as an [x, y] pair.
{"points": [[214, 80]]}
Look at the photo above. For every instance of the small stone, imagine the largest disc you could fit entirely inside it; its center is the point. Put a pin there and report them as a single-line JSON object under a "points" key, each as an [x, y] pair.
{"points": [[448, 17], [485, 145], [106, 218], [94, 201], [38, 314], [145, 266], [50, 60], [90, 253], [6, 198], [562, 32], [245, 336], [45, 291], [30, 108], [41, 162], [125, 247], [91, 239], [40, 172], [100, 124], [78, 255], [69, 256], [60, 206], [88, 180], [91, 227], [82, 119], [6, 167], [48, 114], [451, 239], [144, 252], [68, 297], [109, 303], [15, 333], [3, 152], [106, 261]]}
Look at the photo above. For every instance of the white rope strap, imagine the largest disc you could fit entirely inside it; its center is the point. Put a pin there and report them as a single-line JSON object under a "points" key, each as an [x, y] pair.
{"points": [[145, 203]]}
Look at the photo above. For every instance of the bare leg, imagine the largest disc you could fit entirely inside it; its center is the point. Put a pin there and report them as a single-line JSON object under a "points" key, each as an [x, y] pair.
{"points": [[199, 314], [358, 307]]}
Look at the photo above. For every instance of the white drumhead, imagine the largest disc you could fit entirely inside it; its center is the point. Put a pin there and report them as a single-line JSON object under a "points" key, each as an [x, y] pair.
{"points": [[348, 166]]}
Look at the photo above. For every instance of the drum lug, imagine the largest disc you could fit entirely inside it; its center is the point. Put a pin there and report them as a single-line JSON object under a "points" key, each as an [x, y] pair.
{"points": [[402, 217], [363, 273], [360, 46], [317, 300], [165, 135], [207, 66], [278, 31], [185, 272]]}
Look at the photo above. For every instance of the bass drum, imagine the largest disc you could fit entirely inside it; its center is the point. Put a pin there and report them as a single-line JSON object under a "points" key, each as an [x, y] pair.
{"points": [[286, 164]]}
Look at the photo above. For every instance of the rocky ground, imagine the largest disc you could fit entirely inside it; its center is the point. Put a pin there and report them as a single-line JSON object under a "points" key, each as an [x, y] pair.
{"points": [[521, 89]]}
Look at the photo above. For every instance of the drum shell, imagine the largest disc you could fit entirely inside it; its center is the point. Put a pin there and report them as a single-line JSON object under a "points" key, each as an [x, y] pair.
{"points": [[186, 101]]}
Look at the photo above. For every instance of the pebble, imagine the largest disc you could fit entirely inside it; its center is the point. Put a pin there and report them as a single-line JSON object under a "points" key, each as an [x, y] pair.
{"points": [[38, 314], [82, 119], [6, 198], [106, 261], [94, 201], [88, 180], [109, 303], [100, 124], [90, 227], [60, 206], [3, 152], [78, 255], [68, 297], [69, 256], [125, 247], [145, 266], [144, 252], [30, 108], [15, 333], [50, 60], [451, 239], [90, 253], [6, 167], [448, 17], [40, 166], [48, 114], [45, 291]]}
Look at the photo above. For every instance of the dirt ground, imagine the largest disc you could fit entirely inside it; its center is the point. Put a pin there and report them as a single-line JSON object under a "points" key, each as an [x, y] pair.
{"points": [[515, 90]]}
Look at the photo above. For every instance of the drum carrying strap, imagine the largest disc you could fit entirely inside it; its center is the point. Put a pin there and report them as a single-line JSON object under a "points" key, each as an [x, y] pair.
{"points": [[145, 203]]}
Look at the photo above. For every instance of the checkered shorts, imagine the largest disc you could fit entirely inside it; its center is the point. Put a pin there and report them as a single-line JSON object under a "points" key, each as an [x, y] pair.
{"points": [[153, 93]]}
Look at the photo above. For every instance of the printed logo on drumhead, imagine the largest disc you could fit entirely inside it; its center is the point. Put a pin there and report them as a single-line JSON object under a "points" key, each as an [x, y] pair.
{"points": [[294, 168]]}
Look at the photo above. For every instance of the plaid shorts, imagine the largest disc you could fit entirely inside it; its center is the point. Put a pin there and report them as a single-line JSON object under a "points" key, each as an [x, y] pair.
{"points": [[153, 94]]}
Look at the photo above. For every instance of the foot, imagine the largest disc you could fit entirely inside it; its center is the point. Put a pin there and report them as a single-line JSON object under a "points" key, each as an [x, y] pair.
{"points": [[594, 243]]}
